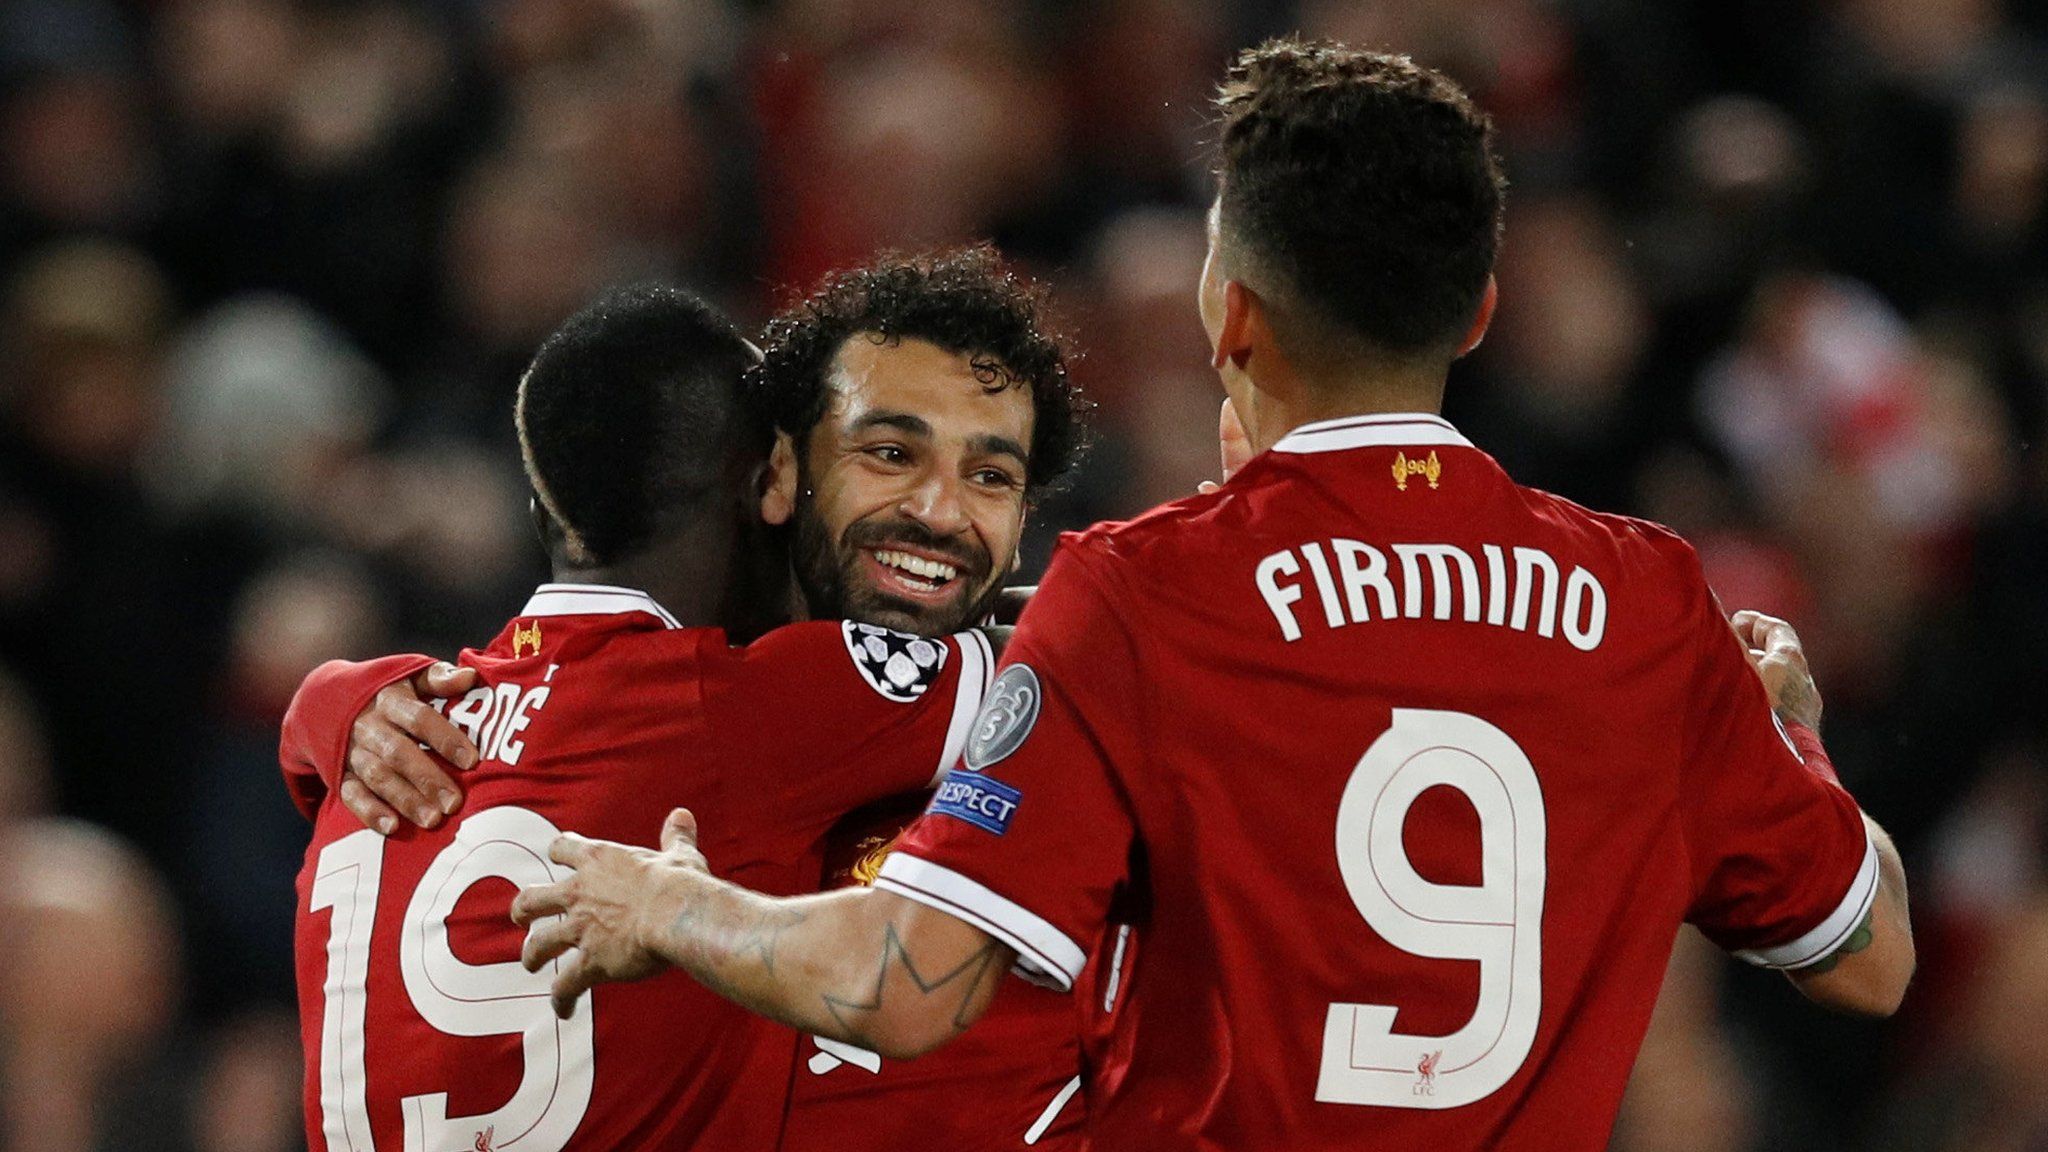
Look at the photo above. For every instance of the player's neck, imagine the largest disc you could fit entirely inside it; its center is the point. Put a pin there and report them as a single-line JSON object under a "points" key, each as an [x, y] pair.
{"points": [[1282, 406], [679, 583]]}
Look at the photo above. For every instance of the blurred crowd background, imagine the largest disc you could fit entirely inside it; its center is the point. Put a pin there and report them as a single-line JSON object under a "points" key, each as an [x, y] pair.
{"points": [[1776, 274]]}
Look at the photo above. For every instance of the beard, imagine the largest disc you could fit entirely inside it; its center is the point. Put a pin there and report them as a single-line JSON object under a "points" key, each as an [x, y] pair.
{"points": [[831, 573]]}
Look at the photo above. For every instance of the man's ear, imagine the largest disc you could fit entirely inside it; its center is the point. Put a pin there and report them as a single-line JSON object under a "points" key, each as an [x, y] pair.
{"points": [[779, 482], [537, 516], [1243, 324], [1482, 319], [554, 537]]}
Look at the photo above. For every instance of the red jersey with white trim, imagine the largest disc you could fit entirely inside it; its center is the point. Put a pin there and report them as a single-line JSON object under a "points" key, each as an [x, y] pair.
{"points": [[596, 714], [1419, 772], [1012, 1081]]}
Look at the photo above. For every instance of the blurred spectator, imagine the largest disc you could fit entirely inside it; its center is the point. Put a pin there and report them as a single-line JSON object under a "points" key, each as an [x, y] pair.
{"points": [[91, 987], [267, 403], [73, 150], [1149, 352], [448, 520], [84, 339], [250, 1093], [1689, 1092], [24, 756], [904, 148], [1562, 401], [526, 245], [104, 576], [246, 837], [1990, 1092], [1139, 86], [228, 64]]}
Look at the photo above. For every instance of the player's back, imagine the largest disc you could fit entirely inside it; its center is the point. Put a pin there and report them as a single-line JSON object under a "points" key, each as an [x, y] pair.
{"points": [[596, 714], [1424, 791]]}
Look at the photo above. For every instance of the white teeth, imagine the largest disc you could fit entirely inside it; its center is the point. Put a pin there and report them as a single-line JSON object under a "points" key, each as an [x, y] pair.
{"points": [[918, 565]]}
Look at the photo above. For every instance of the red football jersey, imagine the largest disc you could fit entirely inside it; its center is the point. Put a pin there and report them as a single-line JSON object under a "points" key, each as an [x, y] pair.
{"points": [[597, 714], [1011, 1082], [1419, 771]]}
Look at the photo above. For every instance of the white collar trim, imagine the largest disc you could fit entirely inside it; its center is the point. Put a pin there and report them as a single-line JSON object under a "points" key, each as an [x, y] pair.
{"points": [[1386, 430], [593, 600]]}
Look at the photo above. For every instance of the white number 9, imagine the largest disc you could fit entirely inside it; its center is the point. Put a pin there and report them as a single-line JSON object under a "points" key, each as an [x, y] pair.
{"points": [[1498, 923], [464, 999]]}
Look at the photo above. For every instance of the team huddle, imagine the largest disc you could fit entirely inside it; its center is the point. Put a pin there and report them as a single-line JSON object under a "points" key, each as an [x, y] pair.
{"points": [[1353, 801]]}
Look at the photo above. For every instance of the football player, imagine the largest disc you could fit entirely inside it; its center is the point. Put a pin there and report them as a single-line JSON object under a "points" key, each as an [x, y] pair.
{"points": [[1421, 770]]}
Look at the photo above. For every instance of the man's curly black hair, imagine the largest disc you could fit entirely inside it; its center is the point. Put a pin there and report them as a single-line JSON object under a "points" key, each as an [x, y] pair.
{"points": [[962, 300], [1362, 190]]}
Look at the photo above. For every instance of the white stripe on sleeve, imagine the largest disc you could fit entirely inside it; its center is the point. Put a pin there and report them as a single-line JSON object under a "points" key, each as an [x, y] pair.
{"points": [[1052, 1111], [977, 665], [1830, 933], [1041, 948]]}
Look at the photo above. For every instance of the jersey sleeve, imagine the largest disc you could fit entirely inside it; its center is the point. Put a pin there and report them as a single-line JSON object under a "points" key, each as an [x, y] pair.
{"points": [[837, 715], [312, 745], [1783, 866], [1030, 837]]}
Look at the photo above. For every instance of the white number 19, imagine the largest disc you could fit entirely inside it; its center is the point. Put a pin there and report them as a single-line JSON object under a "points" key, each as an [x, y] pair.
{"points": [[1498, 923], [451, 995]]}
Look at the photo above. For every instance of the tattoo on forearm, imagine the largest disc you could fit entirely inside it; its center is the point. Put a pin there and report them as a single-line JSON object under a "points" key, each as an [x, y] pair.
{"points": [[1857, 942], [963, 980], [757, 928]]}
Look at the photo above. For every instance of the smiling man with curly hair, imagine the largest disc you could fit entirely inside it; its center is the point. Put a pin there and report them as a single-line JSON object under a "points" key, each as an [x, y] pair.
{"points": [[920, 404]]}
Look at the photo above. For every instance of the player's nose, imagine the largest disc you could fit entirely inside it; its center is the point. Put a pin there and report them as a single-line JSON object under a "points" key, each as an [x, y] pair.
{"points": [[938, 503]]}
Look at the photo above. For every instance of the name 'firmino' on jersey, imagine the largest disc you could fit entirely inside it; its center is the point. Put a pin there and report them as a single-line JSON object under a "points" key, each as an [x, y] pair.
{"points": [[1355, 582]]}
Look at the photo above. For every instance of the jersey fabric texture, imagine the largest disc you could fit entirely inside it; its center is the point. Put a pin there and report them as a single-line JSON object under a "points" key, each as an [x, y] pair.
{"points": [[596, 714], [1012, 1081], [1419, 772]]}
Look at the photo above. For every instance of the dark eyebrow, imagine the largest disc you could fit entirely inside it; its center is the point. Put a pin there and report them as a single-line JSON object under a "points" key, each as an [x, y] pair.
{"points": [[912, 424], [1000, 446], [901, 421]]}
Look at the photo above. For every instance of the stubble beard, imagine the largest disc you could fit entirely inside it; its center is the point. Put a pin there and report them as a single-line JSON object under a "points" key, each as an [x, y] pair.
{"points": [[827, 574]]}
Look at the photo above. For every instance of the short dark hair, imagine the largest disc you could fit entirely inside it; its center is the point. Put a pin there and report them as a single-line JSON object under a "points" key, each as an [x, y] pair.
{"points": [[1362, 189], [630, 415], [963, 300]]}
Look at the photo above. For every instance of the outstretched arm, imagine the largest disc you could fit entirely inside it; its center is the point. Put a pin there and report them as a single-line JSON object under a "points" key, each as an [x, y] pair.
{"points": [[864, 966]]}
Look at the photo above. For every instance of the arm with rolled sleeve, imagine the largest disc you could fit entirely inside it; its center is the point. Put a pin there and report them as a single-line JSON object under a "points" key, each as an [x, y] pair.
{"points": [[1031, 835], [1788, 872]]}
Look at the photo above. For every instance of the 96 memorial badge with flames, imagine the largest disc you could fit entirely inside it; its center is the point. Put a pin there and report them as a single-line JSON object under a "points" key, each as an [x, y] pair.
{"points": [[898, 665]]}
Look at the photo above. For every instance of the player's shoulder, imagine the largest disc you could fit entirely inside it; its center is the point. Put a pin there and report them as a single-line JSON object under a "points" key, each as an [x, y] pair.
{"points": [[1153, 535], [829, 654], [651, 655], [1642, 548]]}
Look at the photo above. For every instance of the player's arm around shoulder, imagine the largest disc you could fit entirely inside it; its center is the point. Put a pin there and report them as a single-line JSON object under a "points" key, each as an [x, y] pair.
{"points": [[324, 735], [860, 965], [368, 727], [1869, 971]]}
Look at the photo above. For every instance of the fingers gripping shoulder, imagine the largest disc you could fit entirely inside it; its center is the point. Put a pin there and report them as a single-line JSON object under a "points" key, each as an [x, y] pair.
{"points": [[313, 740]]}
